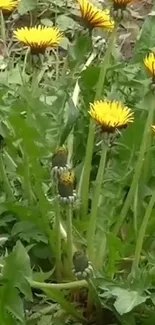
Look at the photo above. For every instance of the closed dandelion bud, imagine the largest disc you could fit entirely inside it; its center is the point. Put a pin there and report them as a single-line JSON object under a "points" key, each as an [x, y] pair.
{"points": [[82, 267], [66, 192], [59, 160]]}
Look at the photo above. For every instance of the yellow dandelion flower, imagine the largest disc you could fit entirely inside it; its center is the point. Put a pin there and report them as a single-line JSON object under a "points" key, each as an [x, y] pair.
{"points": [[111, 115], [66, 185], [38, 38], [153, 128], [149, 62], [8, 5], [67, 178], [95, 17], [121, 3]]}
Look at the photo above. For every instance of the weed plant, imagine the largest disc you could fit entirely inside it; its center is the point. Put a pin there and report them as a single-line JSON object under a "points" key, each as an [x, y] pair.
{"points": [[77, 194]]}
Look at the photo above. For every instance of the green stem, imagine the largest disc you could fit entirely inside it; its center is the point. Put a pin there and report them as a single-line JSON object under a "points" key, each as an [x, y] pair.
{"points": [[94, 296], [105, 65], [27, 183], [44, 208], [58, 242], [138, 168], [141, 234], [69, 239], [58, 286], [5, 181], [91, 133], [75, 98], [95, 201]]}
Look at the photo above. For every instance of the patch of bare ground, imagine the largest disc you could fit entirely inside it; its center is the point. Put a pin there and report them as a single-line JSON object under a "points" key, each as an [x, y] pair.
{"points": [[130, 29]]}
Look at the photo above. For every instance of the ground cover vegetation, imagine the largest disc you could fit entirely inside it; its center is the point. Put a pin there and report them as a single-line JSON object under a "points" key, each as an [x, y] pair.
{"points": [[77, 172]]}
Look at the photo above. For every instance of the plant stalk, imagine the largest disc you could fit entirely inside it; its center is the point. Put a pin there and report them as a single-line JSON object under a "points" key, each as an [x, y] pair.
{"points": [[27, 182], [75, 98], [91, 132], [93, 296], [58, 286], [69, 238], [141, 234], [44, 208], [95, 202], [5, 181], [58, 242], [138, 167]]}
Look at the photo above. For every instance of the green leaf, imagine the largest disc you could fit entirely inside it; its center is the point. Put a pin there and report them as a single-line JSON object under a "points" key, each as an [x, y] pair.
{"points": [[127, 300], [14, 305], [64, 22], [59, 297], [27, 5], [72, 117], [80, 49], [17, 269], [45, 320], [27, 231], [42, 276], [146, 41]]}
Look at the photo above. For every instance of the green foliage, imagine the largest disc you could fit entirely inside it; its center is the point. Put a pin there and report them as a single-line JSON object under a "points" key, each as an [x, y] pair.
{"points": [[39, 113], [14, 273]]}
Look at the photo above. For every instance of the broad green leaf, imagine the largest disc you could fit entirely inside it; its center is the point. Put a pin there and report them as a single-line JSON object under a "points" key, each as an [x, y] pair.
{"points": [[146, 41], [127, 300], [17, 268], [45, 320], [14, 305], [42, 276], [27, 5], [64, 22], [79, 50], [27, 231]]}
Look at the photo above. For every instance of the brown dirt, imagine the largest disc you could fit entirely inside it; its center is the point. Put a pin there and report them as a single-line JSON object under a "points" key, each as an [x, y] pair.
{"points": [[130, 29]]}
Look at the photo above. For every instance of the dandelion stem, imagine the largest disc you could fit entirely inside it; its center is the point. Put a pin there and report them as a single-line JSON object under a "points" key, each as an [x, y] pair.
{"points": [[95, 202], [75, 98], [91, 133], [138, 167], [93, 296], [69, 238], [27, 183], [44, 208], [58, 286], [58, 241], [5, 181], [141, 234]]}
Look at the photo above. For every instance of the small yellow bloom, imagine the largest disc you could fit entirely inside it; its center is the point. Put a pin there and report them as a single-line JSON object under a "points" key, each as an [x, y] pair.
{"points": [[121, 3], [111, 115], [149, 62], [95, 17], [66, 185], [153, 128], [67, 178], [8, 5], [38, 38]]}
